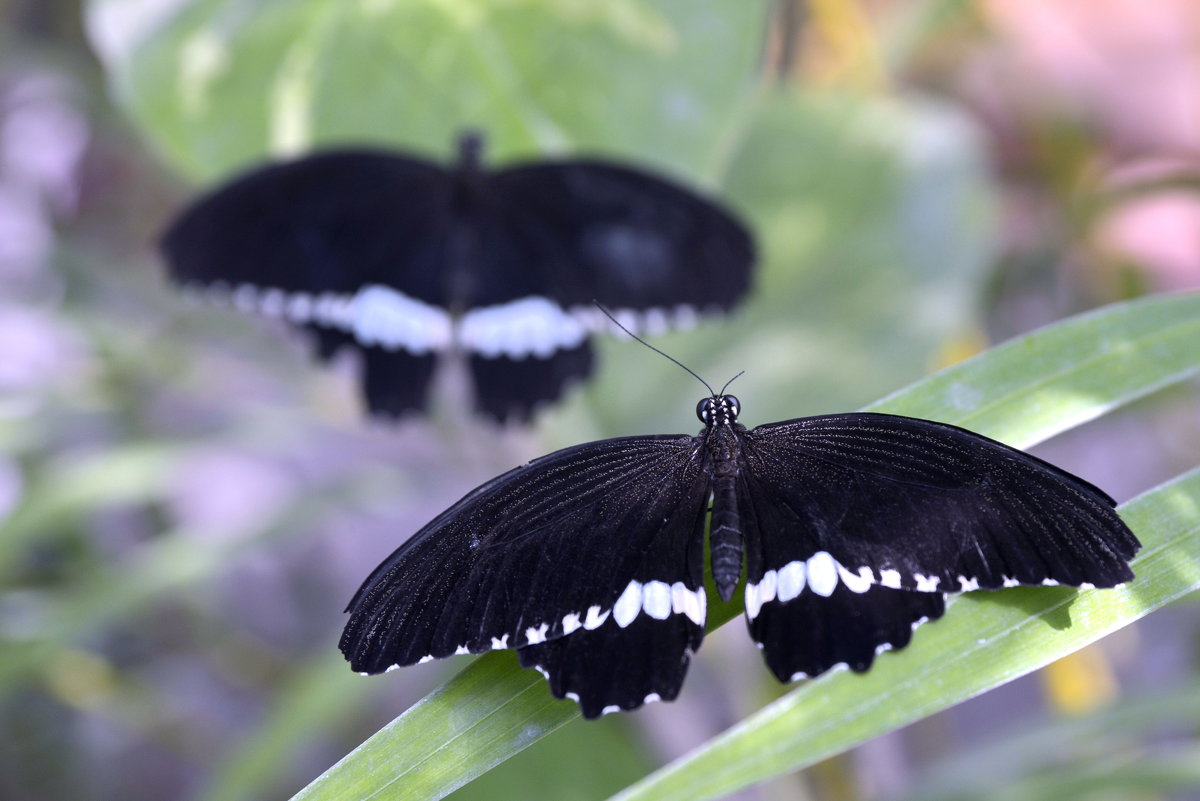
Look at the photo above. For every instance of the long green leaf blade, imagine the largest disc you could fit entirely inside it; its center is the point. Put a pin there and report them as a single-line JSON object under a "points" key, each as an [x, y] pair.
{"points": [[985, 639], [1028, 389], [1046, 382]]}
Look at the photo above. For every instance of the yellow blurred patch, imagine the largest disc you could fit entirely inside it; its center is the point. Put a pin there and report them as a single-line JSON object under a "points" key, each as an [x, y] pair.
{"points": [[1081, 682], [842, 48], [81, 679], [958, 349]]}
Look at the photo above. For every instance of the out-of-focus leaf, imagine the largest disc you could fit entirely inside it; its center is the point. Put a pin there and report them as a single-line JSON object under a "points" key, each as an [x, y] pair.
{"points": [[492, 710], [220, 83], [583, 761], [1108, 742], [1081, 368], [174, 562], [314, 697], [79, 485]]}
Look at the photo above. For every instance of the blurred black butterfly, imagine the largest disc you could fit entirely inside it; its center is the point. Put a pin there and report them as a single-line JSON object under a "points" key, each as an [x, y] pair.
{"points": [[404, 259], [589, 561]]}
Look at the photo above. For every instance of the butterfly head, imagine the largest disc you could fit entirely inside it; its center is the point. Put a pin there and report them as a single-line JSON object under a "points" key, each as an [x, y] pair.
{"points": [[719, 410]]}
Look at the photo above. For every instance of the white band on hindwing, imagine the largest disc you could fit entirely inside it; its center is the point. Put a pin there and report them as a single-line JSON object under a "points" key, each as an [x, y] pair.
{"points": [[380, 316]]}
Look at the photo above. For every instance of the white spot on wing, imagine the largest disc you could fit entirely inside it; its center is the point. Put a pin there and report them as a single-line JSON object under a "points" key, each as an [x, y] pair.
{"points": [[573, 696], [890, 578], [272, 302], [927, 583], [536, 635], [421, 661], [531, 326], [967, 585], [1049, 582], [608, 710], [462, 649], [791, 579], [299, 308], [379, 315], [571, 622], [656, 599], [858, 582], [627, 606], [501, 643], [1011, 582], [245, 298], [594, 618], [688, 602], [652, 698], [822, 574]]}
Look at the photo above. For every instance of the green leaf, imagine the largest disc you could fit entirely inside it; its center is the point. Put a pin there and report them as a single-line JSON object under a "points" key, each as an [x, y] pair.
{"points": [[220, 83], [1108, 744], [492, 709], [985, 639]]}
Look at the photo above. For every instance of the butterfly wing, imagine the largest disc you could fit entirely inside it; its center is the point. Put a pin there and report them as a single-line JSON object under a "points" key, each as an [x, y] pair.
{"points": [[510, 389], [588, 561], [587, 230], [858, 523], [346, 244], [555, 237]]}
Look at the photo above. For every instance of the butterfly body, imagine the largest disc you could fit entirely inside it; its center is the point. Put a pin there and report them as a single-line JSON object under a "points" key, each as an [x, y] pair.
{"points": [[852, 529]]}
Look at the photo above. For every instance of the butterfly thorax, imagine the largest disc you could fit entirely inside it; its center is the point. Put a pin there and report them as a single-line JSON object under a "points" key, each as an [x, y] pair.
{"points": [[462, 241], [722, 437]]}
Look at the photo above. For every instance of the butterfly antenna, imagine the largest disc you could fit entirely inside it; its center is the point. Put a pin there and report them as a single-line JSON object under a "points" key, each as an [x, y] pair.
{"points": [[730, 381], [617, 323]]}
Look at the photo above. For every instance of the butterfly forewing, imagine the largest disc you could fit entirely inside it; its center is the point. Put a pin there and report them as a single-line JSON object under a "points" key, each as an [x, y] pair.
{"points": [[599, 232], [600, 545], [330, 223], [929, 506]]}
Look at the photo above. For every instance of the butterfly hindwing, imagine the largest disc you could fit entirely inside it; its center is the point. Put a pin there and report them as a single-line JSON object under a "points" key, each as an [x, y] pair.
{"points": [[591, 550], [394, 382], [509, 389], [806, 636]]}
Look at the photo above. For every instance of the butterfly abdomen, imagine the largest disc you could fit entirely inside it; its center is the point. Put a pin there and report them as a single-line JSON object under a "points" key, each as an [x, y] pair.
{"points": [[725, 537], [725, 534]]}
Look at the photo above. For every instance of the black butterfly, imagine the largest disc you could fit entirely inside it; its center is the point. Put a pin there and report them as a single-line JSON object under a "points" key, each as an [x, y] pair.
{"points": [[404, 259], [589, 561]]}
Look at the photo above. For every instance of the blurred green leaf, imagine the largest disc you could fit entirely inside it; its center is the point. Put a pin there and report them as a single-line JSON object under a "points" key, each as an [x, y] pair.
{"points": [[1033, 387], [313, 697], [492, 710], [175, 561], [221, 83], [1108, 745], [78, 485]]}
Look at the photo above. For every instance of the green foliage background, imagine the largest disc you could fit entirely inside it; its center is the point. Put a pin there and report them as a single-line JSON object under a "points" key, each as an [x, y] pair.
{"points": [[876, 215]]}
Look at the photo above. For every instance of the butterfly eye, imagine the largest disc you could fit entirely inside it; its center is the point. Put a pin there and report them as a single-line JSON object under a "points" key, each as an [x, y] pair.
{"points": [[733, 405], [704, 410]]}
